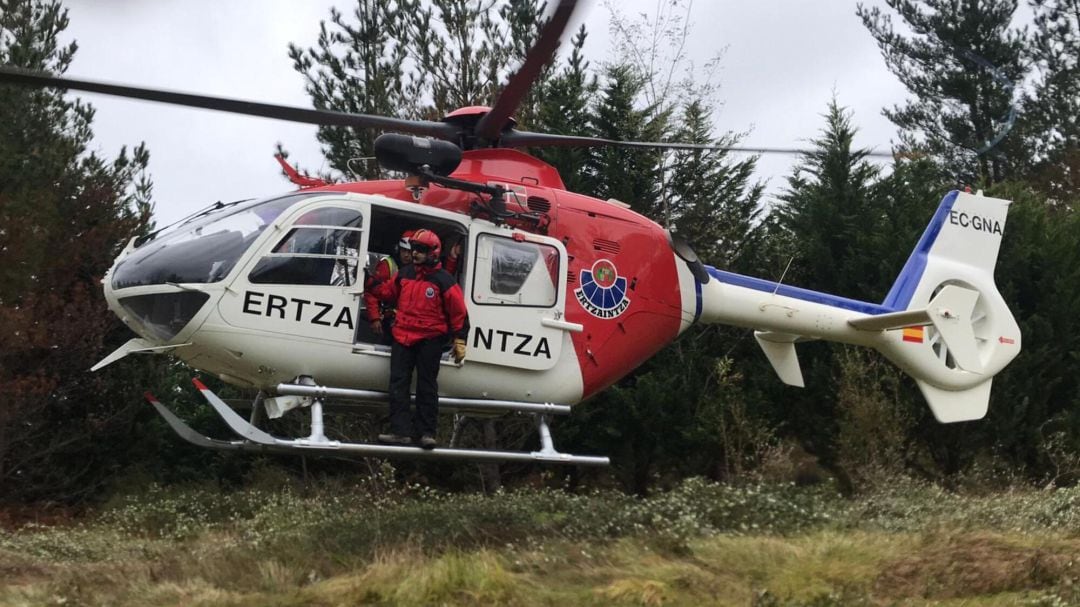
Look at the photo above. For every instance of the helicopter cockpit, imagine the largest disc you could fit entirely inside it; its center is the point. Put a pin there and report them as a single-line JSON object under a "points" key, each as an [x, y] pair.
{"points": [[320, 240], [201, 251]]}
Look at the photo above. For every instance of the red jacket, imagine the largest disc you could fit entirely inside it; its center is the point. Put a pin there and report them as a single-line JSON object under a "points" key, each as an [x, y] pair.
{"points": [[429, 304]]}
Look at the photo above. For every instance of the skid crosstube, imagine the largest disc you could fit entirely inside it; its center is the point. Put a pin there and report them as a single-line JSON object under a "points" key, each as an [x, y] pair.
{"points": [[256, 440]]}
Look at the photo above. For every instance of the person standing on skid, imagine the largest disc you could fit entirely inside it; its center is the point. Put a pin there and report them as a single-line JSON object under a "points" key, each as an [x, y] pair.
{"points": [[430, 311]]}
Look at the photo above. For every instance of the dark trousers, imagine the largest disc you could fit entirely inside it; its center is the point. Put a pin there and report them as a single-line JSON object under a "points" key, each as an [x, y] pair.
{"points": [[387, 328], [424, 357]]}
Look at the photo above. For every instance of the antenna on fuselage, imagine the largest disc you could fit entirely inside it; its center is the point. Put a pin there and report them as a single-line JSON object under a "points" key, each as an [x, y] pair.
{"points": [[783, 274], [349, 163]]}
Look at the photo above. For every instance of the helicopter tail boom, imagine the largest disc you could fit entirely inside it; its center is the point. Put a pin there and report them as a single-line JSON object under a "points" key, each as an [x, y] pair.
{"points": [[943, 322]]}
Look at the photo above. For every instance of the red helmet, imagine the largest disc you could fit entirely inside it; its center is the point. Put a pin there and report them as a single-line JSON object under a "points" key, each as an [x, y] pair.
{"points": [[429, 240], [404, 242]]}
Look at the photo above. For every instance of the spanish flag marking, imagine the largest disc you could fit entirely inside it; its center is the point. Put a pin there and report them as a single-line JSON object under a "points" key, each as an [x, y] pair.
{"points": [[913, 334]]}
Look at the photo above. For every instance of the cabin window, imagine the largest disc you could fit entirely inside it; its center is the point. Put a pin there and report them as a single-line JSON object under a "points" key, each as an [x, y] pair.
{"points": [[322, 248], [517, 273], [203, 249]]}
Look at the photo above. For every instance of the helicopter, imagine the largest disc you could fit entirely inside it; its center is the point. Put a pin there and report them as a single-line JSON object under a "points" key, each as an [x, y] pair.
{"points": [[566, 293]]}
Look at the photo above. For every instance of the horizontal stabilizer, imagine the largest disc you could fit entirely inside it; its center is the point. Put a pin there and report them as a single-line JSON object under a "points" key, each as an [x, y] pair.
{"points": [[779, 348], [951, 406], [891, 322], [951, 314]]}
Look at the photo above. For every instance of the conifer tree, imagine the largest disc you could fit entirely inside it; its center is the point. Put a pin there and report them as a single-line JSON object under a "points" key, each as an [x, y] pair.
{"points": [[629, 175], [1053, 107], [962, 63], [830, 220], [523, 22], [829, 213], [64, 215], [412, 59], [685, 411], [714, 205], [357, 67], [564, 108], [463, 49]]}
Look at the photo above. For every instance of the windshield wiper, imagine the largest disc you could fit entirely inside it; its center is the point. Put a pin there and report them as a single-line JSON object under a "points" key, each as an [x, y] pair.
{"points": [[217, 206]]}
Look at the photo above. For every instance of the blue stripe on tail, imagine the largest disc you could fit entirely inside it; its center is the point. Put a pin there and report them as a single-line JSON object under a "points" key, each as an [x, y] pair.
{"points": [[903, 289], [697, 304], [768, 286], [899, 296]]}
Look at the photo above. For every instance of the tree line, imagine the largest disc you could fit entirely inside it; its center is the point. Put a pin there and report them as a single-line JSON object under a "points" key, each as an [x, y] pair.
{"points": [[990, 105]]}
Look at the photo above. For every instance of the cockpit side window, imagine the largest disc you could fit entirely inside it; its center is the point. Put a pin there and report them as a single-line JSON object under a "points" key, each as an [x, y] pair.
{"points": [[204, 250], [322, 248]]}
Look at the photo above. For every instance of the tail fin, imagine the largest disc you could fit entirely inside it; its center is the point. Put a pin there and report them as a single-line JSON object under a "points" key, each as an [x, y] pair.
{"points": [[952, 331]]}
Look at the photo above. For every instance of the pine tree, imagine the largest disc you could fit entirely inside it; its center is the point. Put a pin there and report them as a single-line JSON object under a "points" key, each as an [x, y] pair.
{"points": [[523, 21], [412, 59], [828, 211], [1053, 107], [357, 68], [629, 175], [64, 215], [653, 47], [463, 49], [687, 410], [962, 63], [715, 207], [831, 222], [564, 108], [713, 204], [1038, 274]]}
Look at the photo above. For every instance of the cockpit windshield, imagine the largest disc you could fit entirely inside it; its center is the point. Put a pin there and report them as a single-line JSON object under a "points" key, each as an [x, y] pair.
{"points": [[202, 251]]}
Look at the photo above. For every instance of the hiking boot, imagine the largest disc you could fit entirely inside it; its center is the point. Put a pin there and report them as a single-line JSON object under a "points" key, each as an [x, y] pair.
{"points": [[427, 442], [395, 439]]}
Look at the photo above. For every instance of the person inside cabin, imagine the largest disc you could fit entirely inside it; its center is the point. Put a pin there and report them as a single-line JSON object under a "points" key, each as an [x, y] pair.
{"points": [[452, 261], [380, 313], [430, 311]]}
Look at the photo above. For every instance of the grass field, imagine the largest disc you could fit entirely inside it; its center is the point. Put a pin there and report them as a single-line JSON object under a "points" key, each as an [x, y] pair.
{"points": [[702, 543]]}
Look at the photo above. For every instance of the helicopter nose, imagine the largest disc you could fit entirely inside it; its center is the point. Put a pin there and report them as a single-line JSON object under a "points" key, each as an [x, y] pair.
{"points": [[161, 316]]}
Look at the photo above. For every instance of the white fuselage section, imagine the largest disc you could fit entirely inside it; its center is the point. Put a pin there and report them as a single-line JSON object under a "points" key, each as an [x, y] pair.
{"points": [[263, 334]]}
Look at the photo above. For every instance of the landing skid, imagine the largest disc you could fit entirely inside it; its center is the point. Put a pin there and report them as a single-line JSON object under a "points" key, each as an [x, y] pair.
{"points": [[190, 435], [256, 440]]}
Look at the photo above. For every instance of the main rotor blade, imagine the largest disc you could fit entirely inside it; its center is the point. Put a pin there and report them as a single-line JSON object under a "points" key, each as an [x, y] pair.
{"points": [[520, 139], [441, 130], [493, 122]]}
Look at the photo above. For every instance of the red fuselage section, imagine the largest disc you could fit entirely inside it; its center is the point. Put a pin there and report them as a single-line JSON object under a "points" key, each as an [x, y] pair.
{"points": [[612, 251]]}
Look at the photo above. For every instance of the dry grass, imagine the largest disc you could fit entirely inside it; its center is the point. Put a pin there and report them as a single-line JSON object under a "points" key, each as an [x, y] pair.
{"points": [[823, 568], [979, 564], [900, 548]]}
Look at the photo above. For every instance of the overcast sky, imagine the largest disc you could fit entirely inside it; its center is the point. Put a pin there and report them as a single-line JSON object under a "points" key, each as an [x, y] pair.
{"points": [[783, 60]]}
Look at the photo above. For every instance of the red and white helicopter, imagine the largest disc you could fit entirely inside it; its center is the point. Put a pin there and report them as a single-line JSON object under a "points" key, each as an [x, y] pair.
{"points": [[566, 293]]}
